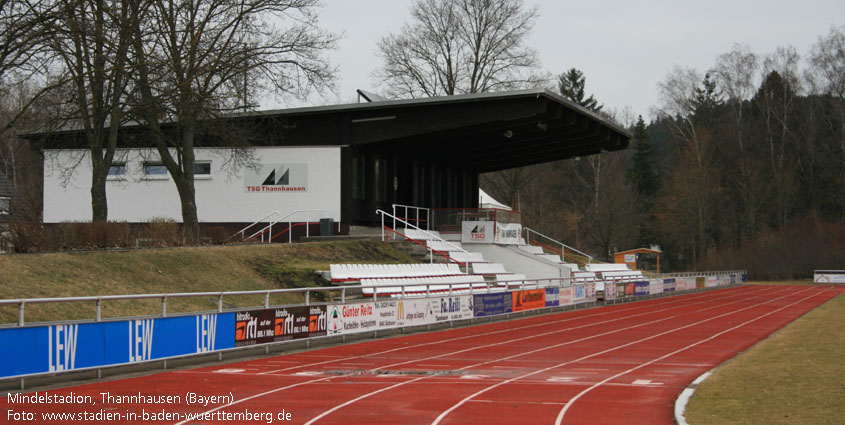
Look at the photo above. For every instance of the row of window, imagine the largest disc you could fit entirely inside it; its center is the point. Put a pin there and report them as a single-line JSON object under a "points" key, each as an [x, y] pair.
{"points": [[157, 169]]}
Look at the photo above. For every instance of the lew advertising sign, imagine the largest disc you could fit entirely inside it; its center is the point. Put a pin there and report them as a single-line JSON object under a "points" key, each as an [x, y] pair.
{"points": [[477, 231], [268, 178]]}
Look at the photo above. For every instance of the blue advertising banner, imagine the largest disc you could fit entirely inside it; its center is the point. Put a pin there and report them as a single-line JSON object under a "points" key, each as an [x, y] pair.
{"points": [[668, 285], [552, 297], [44, 349], [492, 304], [641, 288]]}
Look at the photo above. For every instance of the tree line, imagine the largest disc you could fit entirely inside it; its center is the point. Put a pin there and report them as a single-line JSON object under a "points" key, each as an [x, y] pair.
{"points": [[743, 165]]}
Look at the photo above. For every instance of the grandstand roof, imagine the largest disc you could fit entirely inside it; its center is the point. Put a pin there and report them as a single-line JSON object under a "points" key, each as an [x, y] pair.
{"points": [[482, 131]]}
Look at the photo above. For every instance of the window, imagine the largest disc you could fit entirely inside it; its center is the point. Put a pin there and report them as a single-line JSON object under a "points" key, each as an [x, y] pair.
{"points": [[5, 205], [117, 170], [155, 170], [202, 170]]}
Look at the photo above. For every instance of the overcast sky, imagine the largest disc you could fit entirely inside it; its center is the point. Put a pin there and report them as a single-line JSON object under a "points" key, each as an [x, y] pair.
{"points": [[624, 47]]}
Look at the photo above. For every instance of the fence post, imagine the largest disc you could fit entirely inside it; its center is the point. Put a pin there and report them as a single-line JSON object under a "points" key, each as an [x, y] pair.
{"points": [[20, 318], [99, 310]]}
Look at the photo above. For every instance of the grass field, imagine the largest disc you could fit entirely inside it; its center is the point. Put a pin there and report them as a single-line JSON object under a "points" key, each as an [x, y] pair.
{"points": [[797, 376], [203, 269]]}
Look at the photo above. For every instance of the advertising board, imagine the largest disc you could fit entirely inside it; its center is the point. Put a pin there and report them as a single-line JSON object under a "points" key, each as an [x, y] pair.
{"points": [[477, 231], [552, 297], [492, 304], [451, 308], [61, 347], [529, 300]]}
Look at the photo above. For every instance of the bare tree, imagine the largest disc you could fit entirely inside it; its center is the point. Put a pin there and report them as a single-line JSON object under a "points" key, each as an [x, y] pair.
{"points": [[736, 73], [190, 60], [92, 39], [455, 47], [827, 76], [23, 30]]}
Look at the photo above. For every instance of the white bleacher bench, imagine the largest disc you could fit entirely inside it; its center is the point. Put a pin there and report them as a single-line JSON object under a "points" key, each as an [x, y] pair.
{"points": [[583, 277], [356, 272], [466, 257], [421, 235], [488, 268], [550, 257], [606, 267], [571, 266], [422, 285], [623, 275], [531, 249], [510, 279], [443, 246]]}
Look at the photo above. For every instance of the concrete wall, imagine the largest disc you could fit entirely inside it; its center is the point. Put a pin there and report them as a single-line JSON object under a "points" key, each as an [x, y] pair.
{"points": [[228, 194], [518, 262]]}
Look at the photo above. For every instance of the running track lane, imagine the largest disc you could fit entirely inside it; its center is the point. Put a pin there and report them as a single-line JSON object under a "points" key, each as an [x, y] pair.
{"points": [[622, 364]]}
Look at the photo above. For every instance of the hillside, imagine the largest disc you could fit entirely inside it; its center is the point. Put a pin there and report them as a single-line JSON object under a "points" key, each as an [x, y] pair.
{"points": [[203, 269]]}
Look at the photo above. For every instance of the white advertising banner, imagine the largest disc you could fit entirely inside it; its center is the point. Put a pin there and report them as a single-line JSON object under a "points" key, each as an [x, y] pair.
{"points": [[655, 286], [477, 231], [362, 317], [509, 233], [829, 277], [566, 295], [414, 312], [451, 308], [712, 281]]}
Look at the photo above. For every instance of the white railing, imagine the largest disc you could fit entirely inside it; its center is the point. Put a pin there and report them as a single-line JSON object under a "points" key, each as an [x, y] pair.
{"points": [[406, 215], [242, 232], [266, 233], [408, 225], [563, 246]]}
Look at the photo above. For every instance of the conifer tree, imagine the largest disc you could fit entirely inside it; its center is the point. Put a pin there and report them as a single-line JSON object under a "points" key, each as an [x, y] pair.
{"points": [[571, 85]]}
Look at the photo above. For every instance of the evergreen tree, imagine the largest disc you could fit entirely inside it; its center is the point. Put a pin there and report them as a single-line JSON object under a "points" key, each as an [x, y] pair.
{"points": [[642, 174], [706, 102], [571, 85]]}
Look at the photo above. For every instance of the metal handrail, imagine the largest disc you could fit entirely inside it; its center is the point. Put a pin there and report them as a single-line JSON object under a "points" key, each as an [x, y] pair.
{"points": [[522, 284], [269, 228], [417, 212], [260, 220], [529, 231], [395, 219]]}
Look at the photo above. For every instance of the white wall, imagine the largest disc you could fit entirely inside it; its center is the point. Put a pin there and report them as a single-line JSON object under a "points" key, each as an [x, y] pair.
{"points": [[221, 198]]}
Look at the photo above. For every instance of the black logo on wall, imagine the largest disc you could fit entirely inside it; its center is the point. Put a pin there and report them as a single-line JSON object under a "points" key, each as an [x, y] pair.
{"points": [[277, 178]]}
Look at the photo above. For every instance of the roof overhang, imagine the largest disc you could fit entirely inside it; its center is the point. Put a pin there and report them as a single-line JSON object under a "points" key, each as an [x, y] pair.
{"points": [[483, 132]]}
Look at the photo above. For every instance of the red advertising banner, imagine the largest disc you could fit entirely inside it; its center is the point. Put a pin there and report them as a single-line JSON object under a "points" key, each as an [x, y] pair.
{"points": [[529, 300]]}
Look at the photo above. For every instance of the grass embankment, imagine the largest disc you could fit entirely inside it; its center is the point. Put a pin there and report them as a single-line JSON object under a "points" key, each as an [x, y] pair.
{"points": [[204, 269], [797, 376]]}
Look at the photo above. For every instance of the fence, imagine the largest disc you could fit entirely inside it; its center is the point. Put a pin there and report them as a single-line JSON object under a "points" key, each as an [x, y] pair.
{"points": [[51, 348]]}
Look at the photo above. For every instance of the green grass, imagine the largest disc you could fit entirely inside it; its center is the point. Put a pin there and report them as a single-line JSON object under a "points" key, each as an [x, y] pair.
{"points": [[797, 376], [203, 269]]}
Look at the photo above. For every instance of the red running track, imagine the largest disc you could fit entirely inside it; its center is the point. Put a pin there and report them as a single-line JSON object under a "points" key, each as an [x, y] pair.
{"points": [[622, 364]]}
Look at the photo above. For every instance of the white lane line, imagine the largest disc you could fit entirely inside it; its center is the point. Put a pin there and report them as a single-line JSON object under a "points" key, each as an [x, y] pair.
{"points": [[710, 338], [552, 333], [728, 295], [470, 397], [357, 399], [555, 322]]}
